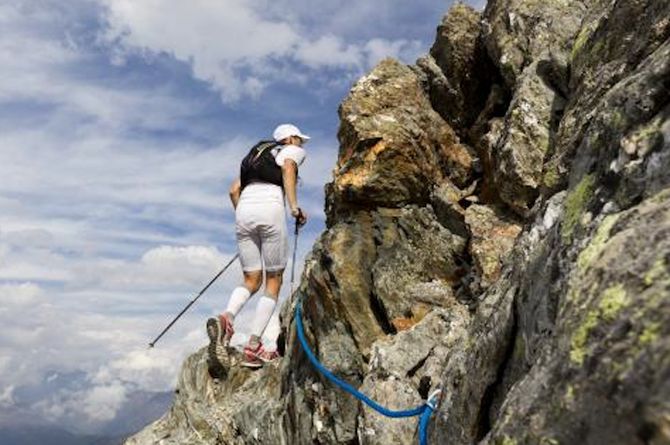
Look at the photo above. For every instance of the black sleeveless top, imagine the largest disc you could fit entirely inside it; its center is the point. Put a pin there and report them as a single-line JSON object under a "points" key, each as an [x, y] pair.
{"points": [[259, 165]]}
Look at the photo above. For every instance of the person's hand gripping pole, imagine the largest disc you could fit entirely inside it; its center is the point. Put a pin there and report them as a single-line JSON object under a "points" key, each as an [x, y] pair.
{"points": [[300, 220]]}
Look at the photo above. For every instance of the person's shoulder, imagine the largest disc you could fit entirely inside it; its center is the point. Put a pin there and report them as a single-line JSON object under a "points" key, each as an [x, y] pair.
{"points": [[293, 148], [293, 152]]}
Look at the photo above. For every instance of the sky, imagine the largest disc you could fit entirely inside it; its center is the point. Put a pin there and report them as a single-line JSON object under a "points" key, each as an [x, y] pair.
{"points": [[122, 124]]}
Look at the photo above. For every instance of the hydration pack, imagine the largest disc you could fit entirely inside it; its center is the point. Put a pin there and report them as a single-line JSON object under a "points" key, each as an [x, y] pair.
{"points": [[259, 165]]}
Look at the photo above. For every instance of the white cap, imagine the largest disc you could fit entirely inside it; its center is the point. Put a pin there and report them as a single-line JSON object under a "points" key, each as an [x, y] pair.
{"points": [[285, 130]]}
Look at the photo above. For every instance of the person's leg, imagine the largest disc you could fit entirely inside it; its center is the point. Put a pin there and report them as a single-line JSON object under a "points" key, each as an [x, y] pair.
{"points": [[241, 294], [220, 329], [266, 306], [274, 249], [249, 247], [273, 282], [274, 246]]}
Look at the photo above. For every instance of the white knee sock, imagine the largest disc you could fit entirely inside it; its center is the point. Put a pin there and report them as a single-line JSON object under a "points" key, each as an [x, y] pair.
{"points": [[237, 299], [264, 310]]}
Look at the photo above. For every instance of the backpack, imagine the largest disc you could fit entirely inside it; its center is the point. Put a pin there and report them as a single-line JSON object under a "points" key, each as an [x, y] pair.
{"points": [[259, 165]]}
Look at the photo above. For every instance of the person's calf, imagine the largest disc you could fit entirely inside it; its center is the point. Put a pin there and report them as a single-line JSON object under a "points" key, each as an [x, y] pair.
{"points": [[238, 299], [264, 310]]}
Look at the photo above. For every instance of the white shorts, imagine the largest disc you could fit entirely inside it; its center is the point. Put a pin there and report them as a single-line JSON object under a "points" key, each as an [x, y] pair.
{"points": [[260, 226]]}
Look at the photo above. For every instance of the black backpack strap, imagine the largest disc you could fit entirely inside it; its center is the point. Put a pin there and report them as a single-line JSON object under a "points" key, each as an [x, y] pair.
{"points": [[262, 146]]}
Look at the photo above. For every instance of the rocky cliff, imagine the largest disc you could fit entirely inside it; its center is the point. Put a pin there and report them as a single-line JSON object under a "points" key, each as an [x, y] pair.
{"points": [[498, 225]]}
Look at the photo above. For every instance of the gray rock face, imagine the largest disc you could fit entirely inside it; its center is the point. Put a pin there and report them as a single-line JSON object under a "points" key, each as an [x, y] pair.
{"points": [[458, 68], [608, 358], [519, 153], [527, 276], [616, 118], [393, 146], [519, 32]]}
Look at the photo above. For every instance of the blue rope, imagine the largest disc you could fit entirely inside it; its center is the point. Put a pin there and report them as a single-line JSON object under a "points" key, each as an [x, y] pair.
{"points": [[424, 410], [423, 424]]}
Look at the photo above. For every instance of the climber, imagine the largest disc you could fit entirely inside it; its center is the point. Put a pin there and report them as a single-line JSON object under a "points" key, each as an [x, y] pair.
{"points": [[268, 178]]}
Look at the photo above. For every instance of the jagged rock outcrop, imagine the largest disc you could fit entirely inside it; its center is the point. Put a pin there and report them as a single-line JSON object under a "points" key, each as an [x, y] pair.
{"points": [[566, 349], [458, 68], [503, 235]]}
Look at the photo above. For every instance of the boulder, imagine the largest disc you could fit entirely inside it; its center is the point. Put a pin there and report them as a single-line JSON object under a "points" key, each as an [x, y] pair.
{"points": [[394, 148], [518, 155], [520, 32], [459, 72]]}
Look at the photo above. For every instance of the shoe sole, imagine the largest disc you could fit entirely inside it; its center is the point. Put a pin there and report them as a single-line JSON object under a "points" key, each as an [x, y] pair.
{"points": [[258, 364], [216, 351], [252, 365]]}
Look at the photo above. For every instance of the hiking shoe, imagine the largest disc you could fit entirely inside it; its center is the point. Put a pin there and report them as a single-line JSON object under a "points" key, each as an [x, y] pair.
{"points": [[257, 357], [220, 330], [227, 330]]}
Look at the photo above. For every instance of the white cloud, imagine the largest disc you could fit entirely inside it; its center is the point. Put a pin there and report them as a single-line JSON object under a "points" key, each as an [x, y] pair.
{"points": [[16, 296], [88, 406], [6, 398], [102, 402], [216, 38], [329, 51], [161, 268], [232, 46]]}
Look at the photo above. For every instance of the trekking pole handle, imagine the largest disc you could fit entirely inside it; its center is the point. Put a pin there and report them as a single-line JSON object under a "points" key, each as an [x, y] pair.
{"points": [[298, 218], [295, 248]]}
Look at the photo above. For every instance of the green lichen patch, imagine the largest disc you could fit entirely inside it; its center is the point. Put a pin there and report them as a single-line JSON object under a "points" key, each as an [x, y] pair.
{"points": [[551, 177], [657, 270], [581, 39], [597, 49], [597, 244], [574, 205], [638, 343], [650, 334], [579, 338], [612, 301], [506, 440]]}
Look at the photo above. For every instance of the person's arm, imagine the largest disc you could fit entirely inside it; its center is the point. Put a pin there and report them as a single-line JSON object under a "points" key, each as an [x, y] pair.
{"points": [[235, 192], [289, 172]]}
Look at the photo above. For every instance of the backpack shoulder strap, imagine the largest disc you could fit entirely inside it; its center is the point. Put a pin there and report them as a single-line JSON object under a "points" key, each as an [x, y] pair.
{"points": [[264, 146]]}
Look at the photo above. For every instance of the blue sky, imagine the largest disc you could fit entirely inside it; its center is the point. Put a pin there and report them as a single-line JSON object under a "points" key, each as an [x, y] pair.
{"points": [[122, 124]]}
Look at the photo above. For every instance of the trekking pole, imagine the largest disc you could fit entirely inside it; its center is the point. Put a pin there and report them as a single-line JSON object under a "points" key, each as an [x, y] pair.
{"points": [[151, 345], [295, 248]]}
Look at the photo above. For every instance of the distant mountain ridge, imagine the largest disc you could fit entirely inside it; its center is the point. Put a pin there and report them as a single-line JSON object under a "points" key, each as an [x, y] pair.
{"points": [[21, 423], [50, 435]]}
